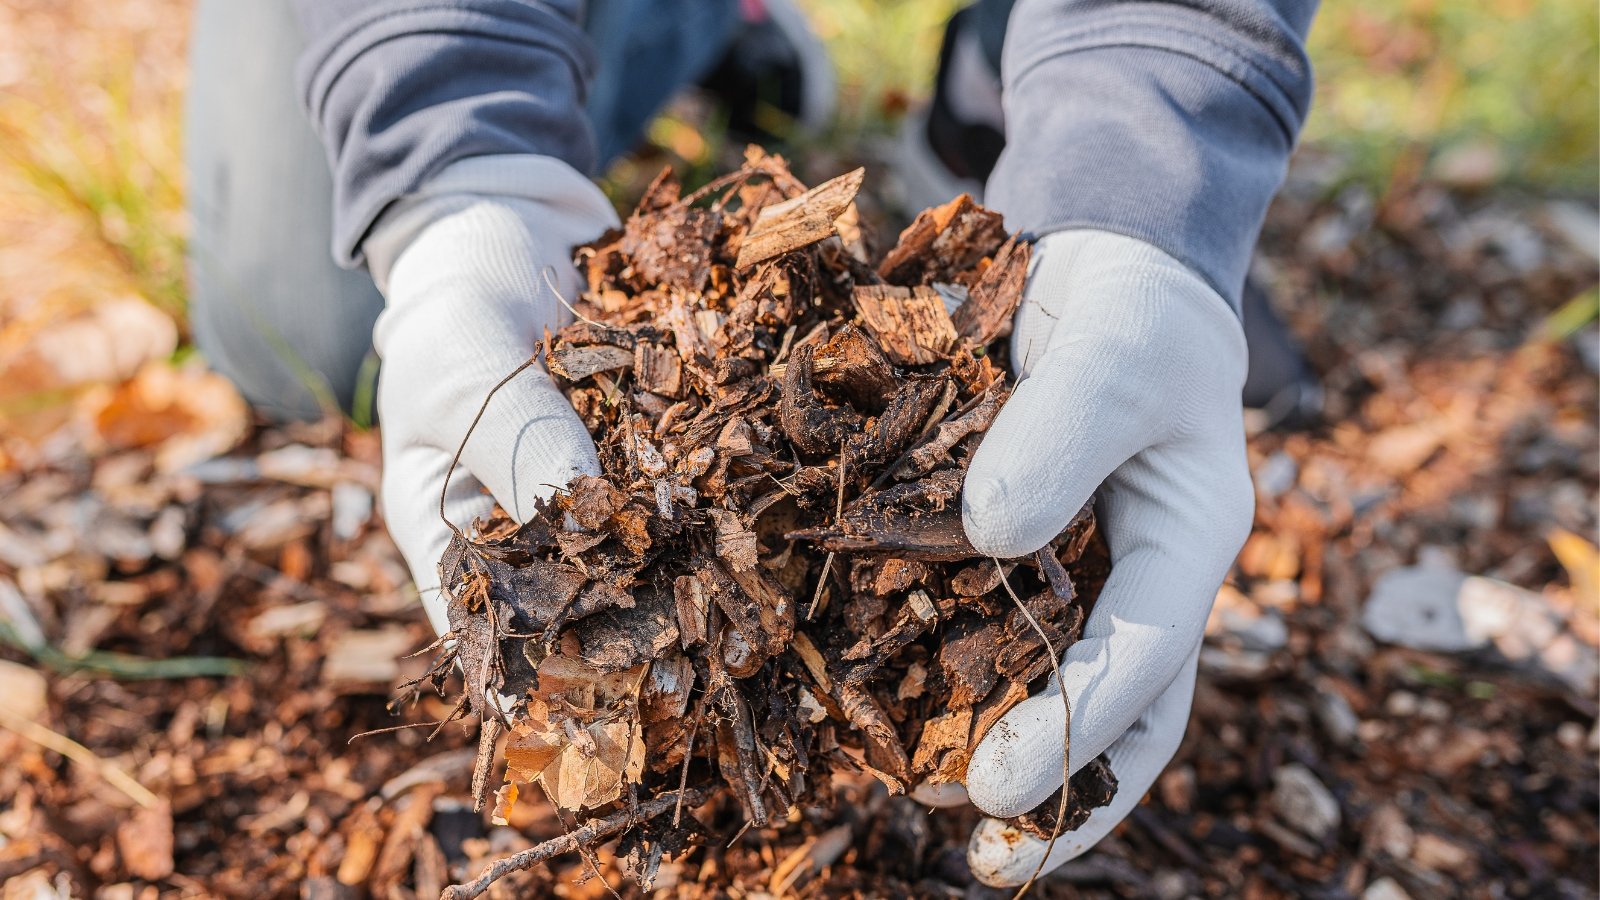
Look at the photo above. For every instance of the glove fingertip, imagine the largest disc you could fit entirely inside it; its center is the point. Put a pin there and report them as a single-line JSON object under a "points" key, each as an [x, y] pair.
{"points": [[990, 516], [1002, 855], [1011, 770]]}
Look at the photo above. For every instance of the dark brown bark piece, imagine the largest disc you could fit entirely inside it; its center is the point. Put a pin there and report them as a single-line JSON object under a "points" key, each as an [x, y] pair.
{"points": [[901, 422], [1093, 786], [967, 660], [920, 519], [619, 639], [934, 451], [851, 365], [812, 425]]}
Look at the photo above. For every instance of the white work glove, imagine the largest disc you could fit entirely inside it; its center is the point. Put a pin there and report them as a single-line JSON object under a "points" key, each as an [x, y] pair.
{"points": [[1129, 369], [466, 266]]}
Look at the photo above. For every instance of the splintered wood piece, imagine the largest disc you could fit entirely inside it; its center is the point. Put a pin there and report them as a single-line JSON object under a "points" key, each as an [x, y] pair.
{"points": [[800, 221], [920, 520], [943, 241], [885, 752], [736, 544], [928, 455], [657, 369], [689, 594], [986, 314], [578, 363], [935, 536], [940, 736], [911, 324]]}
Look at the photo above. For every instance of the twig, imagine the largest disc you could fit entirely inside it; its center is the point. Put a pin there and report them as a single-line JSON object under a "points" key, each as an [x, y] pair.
{"points": [[109, 772], [444, 490], [838, 514], [550, 280], [1066, 732], [584, 837]]}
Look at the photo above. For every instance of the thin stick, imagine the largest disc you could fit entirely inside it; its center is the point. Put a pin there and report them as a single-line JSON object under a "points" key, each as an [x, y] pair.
{"points": [[390, 730], [838, 513], [444, 491], [688, 755], [550, 280], [1066, 731], [110, 772], [584, 837]]}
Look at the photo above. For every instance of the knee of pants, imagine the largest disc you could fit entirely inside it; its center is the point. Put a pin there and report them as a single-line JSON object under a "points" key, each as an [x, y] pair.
{"points": [[268, 307]]}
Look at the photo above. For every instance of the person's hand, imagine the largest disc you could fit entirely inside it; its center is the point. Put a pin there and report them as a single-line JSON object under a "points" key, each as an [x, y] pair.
{"points": [[1129, 369], [469, 267]]}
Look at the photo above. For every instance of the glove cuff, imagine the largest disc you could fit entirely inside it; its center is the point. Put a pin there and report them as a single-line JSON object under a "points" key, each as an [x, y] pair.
{"points": [[1091, 281], [561, 204]]}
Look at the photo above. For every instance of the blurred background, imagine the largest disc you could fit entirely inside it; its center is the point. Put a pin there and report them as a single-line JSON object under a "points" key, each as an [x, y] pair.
{"points": [[197, 611]]}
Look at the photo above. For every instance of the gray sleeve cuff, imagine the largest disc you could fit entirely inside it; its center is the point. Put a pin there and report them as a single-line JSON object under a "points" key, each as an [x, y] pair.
{"points": [[397, 91], [1170, 123]]}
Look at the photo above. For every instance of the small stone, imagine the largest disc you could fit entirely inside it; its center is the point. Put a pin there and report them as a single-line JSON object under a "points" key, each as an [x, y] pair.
{"points": [[1388, 832], [1304, 803], [1385, 888], [1335, 715], [1439, 854], [1401, 704]]}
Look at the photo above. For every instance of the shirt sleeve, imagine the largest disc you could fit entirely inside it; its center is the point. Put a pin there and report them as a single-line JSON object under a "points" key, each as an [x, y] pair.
{"points": [[1171, 122], [398, 90]]}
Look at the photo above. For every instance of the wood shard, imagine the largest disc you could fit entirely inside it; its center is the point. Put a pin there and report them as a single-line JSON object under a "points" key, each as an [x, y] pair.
{"points": [[799, 222], [909, 323], [578, 363]]}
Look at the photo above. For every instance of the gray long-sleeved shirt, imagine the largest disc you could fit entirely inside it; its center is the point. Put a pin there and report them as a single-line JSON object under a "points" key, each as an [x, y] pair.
{"points": [[1171, 122]]}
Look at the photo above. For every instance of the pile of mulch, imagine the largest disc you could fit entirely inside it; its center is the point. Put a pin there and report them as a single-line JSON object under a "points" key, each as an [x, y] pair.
{"points": [[1319, 761], [769, 586]]}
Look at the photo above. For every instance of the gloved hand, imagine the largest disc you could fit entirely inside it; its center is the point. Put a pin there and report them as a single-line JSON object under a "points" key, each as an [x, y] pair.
{"points": [[1129, 369], [466, 267]]}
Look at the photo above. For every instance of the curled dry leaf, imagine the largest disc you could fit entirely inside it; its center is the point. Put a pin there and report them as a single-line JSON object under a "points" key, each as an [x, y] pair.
{"points": [[185, 413]]}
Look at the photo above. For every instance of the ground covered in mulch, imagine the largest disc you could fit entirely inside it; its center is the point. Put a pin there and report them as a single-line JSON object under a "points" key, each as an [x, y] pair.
{"points": [[191, 645]]}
